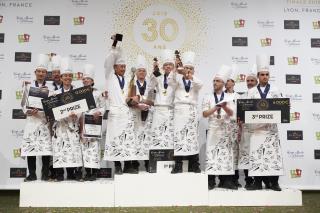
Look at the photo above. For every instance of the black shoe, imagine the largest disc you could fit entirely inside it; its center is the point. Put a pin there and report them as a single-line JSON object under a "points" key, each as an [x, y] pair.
{"points": [[211, 185], [195, 168], [248, 184], [275, 187], [118, 170], [229, 185], [267, 185], [30, 178], [131, 170], [93, 177], [87, 177], [237, 184], [79, 178], [59, 178], [177, 168], [45, 177], [220, 184], [255, 186], [71, 177]]}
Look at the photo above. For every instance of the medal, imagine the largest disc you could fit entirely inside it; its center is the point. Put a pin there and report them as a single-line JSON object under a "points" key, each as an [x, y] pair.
{"points": [[218, 116], [217, 101], [264, 94], [121, 83], [164, 92], [122, 92]]}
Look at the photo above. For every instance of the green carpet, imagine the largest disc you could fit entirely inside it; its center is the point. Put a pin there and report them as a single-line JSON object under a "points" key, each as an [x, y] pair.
{"points": [[9, 202]]}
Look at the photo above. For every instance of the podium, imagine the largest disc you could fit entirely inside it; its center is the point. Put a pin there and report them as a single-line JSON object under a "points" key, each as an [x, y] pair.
{"points": [[147, 190]]}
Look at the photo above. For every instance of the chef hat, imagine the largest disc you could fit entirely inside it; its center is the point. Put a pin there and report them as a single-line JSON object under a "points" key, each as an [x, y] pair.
{"points": [[88, 71], [263, 62], [43, 61], [188, 58], [253, 71], [141, 62], [120, 59], [66, 66], [168, 56], [224, 73], [234, 72], [56, 62]]}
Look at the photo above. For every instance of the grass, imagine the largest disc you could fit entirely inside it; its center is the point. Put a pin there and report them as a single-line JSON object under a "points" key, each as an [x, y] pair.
{"points": [[9, 202]]}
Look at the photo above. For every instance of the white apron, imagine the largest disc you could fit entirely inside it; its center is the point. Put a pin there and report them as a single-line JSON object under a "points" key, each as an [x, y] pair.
{"points": [[219, 153], [265, 149], [185, 130], [66, 142], [120, 139], [162, 128], [91, 146], [244, 147], [36, 138]]}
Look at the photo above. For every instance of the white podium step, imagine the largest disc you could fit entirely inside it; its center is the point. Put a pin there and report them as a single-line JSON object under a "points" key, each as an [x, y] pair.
{"points": [[147, 189], [67, 194], [242, 197]]}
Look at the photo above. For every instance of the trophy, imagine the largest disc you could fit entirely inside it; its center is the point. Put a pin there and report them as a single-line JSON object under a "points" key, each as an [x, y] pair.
{"points": [[156, 70], [117, 37]]}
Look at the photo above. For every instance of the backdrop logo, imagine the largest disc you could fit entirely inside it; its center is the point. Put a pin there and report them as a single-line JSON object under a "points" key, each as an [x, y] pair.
{"points": [[296, 173], [16, 4], [19, 94], [293, 79], [316, 79], [315, 43], [78, 20], [51, 20], [293, 60], [240, 59], [291, 24], [23, 38], [239, 41], [22, 75], [1, 37], [18, 172], [294, 135], [24, 19], [292, 42], [77, 76], [239, 23], [17, 133], [18, 114], [51, 38], [2, 57], [317, 154], [316, 116], [78, 57], [16, 153], [239, 5], [241, 78], [317, 172], [80, 3], [1, 19], [265, 42], [295, 154], [79, 39], [265, 23], [316, 97], [294, 97], [316, 25], [318, 136], [22, 57], [315, 61], [294, 116]]}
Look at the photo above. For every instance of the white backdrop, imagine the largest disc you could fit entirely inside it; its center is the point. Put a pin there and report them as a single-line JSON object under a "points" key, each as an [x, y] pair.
{"points": [[206, 27]]}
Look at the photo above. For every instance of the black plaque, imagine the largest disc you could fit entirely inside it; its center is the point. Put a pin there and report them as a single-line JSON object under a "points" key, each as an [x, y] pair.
{"points": [[66, 98], [156, 155], [269, 104]]}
